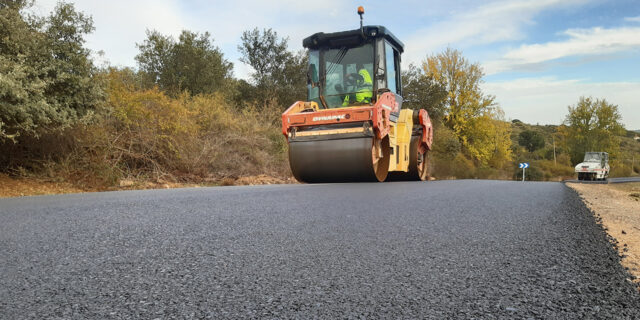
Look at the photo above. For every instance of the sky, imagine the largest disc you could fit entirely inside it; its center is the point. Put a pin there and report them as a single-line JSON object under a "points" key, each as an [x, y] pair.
{"points": [[539, 56]]}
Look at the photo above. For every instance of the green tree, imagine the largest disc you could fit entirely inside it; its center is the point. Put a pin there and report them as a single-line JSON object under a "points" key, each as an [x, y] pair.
{"points": [[47, 80], [591, 125], [278, 74], [191, 64], [423, 92], [531, 140], [15, 4], [472, 115]]}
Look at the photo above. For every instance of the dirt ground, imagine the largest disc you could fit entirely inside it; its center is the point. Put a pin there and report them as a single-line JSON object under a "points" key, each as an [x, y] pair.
{"points": [[618, 207], [17, 187], [28, 186]]}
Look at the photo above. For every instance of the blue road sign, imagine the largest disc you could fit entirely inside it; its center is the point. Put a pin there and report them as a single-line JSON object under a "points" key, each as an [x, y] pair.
{"points": [[524, 165]]}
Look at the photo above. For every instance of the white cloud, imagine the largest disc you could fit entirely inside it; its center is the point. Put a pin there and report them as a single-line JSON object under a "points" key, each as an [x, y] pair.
{"points": [[545, 100], [632, 19], [581, 42], [490, 23], [120, 24], [226, 20]]}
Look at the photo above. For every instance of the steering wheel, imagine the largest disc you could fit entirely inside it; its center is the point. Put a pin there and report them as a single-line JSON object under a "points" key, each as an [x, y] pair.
{"points": [[352, 78]]}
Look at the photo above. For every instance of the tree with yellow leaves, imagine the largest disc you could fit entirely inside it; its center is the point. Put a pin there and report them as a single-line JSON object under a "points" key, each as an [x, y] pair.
{"points": [[591, 125], [473, 116]]}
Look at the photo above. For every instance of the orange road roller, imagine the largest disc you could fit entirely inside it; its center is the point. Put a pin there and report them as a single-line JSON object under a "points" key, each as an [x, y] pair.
{"points": [[352, 127]]}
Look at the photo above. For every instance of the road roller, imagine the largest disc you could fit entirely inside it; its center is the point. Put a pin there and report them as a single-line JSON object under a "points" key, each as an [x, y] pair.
{"points": [[352, 127]]}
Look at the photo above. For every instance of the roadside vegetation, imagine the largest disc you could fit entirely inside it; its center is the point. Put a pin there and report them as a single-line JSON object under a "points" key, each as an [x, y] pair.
{"points": [[181, 116]]}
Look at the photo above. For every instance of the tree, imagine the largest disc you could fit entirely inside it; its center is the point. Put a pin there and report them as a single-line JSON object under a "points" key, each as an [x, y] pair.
{"points": [[47, 80], [423, 92], [591, 125], [278, 73], [154, 59], [191, 64], [15, 4], [474, 117], [531, 140]]}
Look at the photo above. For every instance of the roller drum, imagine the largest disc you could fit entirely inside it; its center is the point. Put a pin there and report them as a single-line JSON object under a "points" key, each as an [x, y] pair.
{"points": [[338, 160]]}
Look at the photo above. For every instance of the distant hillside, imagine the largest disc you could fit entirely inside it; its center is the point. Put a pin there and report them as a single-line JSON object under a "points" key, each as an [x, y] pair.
{"points": [[632, 133], [628, 144], [626, 162]]}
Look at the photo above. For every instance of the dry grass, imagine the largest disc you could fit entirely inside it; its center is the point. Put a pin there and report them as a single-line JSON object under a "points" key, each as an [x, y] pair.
{"points": [[18, 187], [631, 187], [32, 186]]}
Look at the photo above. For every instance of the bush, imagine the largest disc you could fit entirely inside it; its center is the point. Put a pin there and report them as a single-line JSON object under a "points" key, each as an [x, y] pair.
{"points": [[490, 173], [532, 173], [146, 133], [553, 171], [446, 143], [143, 134], [531, 140], [620, 169], [459, 167]]}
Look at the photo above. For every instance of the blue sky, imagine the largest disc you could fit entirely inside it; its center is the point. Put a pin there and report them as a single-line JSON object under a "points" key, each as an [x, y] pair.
{"points": [[539, 55]]}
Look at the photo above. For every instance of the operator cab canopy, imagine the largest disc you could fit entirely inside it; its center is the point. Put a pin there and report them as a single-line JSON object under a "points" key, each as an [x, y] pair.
{"points": [[336, 60]]}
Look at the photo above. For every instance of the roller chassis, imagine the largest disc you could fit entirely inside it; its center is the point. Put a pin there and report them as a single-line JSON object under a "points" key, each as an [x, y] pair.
{"points": [[375, 142]]}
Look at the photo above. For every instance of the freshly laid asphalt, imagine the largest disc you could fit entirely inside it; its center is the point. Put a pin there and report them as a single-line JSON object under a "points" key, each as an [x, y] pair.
{"points": [[441, 249]]}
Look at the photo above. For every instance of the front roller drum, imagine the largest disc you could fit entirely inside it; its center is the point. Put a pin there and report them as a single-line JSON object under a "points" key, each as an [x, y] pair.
{"points": [[418, 164], [340, 160]]}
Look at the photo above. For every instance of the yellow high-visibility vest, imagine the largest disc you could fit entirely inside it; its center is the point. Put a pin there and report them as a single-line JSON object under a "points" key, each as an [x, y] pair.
{"points": [[365, 89], [366, 76]]}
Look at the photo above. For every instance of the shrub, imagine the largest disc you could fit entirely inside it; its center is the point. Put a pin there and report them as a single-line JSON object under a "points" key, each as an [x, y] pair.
{"points": [[147, 135], [620, 169], [554, 171], [532, 173], [531, 140]]}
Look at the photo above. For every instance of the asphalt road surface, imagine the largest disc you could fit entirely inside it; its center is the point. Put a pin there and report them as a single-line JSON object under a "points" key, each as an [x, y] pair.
{"points": [[440, 249]]}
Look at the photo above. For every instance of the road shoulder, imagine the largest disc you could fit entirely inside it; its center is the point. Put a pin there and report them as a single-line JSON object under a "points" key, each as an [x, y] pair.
{"points": [[617, 207], [34, 186]]}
